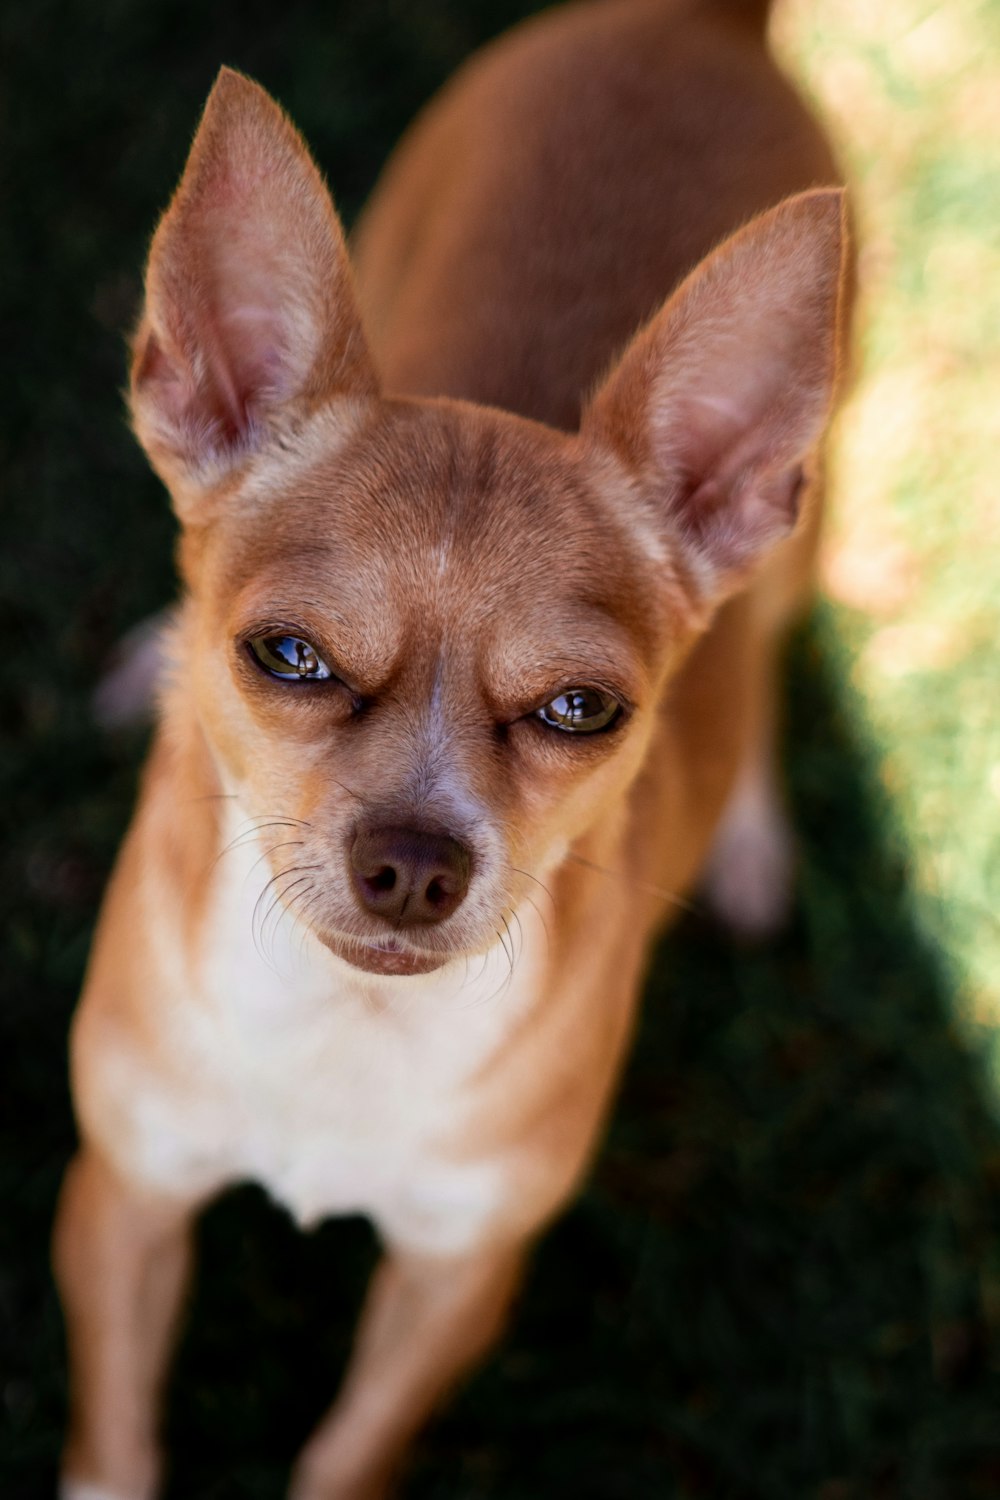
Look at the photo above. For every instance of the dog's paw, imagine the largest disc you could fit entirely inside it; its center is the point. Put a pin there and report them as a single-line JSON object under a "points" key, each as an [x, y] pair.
{"points": [[749, 879]]}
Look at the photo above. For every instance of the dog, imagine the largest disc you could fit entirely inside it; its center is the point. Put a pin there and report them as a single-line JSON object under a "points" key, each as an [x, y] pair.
{"points": [[489, 544]]}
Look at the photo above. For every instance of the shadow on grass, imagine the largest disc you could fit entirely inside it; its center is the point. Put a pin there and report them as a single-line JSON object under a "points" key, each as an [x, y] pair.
{"points": [[780, 1283]]}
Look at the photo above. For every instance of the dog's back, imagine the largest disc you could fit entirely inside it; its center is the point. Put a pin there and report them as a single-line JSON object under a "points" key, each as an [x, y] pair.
{"points": [[550, 198]]}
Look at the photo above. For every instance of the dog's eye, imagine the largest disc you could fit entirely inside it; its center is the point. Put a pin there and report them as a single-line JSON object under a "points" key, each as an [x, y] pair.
{"points": [[289, 657], [580, 711]]}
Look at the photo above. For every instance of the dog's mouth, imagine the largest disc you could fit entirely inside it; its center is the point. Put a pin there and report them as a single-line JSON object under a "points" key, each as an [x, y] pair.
{"points": [[387, 956]]}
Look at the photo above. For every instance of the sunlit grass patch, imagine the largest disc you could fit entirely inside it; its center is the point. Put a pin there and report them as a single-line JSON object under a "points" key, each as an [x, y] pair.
{"points": [[911, 91]]}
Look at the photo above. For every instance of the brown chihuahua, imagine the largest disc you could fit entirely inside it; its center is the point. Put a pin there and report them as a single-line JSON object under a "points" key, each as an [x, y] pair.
{"points": [[489, 545]]}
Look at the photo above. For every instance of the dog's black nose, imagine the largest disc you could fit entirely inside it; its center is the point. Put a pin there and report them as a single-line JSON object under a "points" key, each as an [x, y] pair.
{"points": [[409, 877]]}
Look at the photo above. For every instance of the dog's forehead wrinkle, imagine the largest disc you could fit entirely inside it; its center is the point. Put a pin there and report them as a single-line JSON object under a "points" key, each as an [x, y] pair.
{"points": [[435, 494], [522, 549]]}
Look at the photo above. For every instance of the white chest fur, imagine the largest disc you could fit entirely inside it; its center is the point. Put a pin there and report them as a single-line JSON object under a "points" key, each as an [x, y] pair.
{"points": [[338, 1091]]}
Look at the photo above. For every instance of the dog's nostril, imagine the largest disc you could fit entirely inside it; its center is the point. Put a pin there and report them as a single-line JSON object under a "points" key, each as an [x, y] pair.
{"points": [[409, 876]]}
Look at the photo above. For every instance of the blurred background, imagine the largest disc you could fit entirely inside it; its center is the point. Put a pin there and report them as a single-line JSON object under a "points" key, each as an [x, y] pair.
{"points": [[784, 1277]]}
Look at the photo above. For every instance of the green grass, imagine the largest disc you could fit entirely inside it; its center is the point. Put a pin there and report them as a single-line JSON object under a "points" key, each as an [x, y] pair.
{"points": [[913, 90], [784, 1278]]}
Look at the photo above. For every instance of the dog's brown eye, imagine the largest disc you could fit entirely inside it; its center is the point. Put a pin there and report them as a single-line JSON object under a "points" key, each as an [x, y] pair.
{"points": [[580, 711], [290, 658]]}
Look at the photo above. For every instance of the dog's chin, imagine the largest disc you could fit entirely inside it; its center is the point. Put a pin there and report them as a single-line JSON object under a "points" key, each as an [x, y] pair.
{"points": [[387, 957]]}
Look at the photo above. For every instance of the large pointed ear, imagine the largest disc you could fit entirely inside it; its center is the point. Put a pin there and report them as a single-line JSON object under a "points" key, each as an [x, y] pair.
{"points": [[718, 402], [250, 317]]}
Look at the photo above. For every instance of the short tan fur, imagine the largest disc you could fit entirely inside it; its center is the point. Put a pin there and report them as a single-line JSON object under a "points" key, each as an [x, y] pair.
{"points": [[489, 546]]}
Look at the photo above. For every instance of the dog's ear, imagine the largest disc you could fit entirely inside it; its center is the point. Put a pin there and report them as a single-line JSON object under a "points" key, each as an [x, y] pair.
{"points": [[250, 318], [716, 404]]}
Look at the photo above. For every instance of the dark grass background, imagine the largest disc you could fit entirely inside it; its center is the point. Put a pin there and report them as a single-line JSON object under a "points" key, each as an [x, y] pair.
{"points": [[784, 1278]]}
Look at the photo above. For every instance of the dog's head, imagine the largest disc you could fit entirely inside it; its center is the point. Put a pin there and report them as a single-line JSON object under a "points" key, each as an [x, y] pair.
{"points": [[429, 635]]}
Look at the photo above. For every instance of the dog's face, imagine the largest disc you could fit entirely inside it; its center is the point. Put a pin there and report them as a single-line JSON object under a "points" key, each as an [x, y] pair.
{"points": [[430, 639]]}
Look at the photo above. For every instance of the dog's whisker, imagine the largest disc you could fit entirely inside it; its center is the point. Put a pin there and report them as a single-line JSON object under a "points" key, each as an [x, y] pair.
{"points": [[520, 934], [258, 921], [539, 911], [285, 844], [510, 939], [524, 896], [302, 922], [257, 826], [259, 917], [350, 791], [527, 875], [284, 904], [646, 886], [484, 959], [303, 906], [505, 939]]}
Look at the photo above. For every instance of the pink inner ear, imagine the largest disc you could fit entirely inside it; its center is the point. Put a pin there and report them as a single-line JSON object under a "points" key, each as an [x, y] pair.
{"points": [[730, 522], [221, 360], [248, 365], [209, 412], [249, 301], [740, 467], [720, 400]]}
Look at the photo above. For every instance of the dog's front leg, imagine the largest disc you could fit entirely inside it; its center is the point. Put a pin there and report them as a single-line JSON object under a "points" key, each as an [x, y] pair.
{"points": [[425, 1323], [122, 1261]]}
